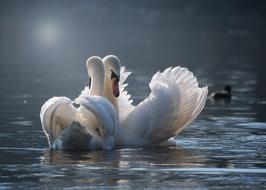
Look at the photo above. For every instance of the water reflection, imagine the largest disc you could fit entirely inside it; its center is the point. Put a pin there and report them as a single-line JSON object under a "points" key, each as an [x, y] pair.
{"points": [[121, 167], [74, 157], [224, 102], [122, 158]]}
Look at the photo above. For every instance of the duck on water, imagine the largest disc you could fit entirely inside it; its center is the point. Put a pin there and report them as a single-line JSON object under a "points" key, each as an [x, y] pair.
{"points": [[223, 94]]}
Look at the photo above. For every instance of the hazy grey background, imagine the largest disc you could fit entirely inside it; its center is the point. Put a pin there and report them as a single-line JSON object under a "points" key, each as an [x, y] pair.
{"points": [[55, 37]]}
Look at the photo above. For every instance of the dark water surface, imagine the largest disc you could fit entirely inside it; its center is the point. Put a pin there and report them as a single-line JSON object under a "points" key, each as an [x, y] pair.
{"points": [[225, 148]]}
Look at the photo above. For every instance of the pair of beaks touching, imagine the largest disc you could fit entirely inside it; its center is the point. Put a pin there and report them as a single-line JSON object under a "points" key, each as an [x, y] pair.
{"points": [[104, 77]]}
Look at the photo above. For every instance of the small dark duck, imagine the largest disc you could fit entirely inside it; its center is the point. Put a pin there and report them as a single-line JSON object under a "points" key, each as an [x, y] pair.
{"points": [[223, 94]]}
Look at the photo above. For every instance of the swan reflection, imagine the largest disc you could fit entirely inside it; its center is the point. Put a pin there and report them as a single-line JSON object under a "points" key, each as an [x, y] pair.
{"points": [[124, 167], [127, 158]]}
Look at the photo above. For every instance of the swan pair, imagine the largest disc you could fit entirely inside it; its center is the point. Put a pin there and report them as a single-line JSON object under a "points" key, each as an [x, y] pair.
{"points": [[174, 102]]}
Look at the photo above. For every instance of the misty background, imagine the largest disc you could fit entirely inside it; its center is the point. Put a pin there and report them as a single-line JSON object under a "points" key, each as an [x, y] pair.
{"points": [[54, 38]]}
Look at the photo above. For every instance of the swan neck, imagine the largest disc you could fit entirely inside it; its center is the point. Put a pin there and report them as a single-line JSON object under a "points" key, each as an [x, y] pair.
{"points": [[97, 80], [108, 93]]}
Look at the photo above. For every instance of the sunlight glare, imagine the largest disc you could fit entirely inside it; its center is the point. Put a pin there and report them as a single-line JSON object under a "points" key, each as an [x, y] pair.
{"points": [[48, 33]]}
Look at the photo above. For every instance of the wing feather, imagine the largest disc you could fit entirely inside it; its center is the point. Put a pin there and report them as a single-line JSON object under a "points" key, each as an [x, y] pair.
{"points": [[83, 94], [174, 102], [124, 100], [56, 114]]}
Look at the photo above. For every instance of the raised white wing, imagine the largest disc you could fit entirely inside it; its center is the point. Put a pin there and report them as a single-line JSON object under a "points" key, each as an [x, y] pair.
{"points": [[124, 101], [174, 102], [56, 114]]}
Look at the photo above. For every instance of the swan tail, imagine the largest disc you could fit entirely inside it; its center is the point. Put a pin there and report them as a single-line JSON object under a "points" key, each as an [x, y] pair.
{"points": [[174, 102], [56, 114]]}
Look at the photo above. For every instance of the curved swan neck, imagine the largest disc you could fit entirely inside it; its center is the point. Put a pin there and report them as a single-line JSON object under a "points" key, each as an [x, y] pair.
{"points": [[96, 72], [108, 92], [111, 64], [97, 83]]}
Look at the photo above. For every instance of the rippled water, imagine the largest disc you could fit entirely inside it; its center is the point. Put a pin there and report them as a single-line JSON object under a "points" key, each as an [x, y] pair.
{"points": [[224, 148]]}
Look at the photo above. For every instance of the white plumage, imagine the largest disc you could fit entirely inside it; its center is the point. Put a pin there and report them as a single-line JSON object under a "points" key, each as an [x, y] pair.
{"points": [[90, 126], [174, 102]]}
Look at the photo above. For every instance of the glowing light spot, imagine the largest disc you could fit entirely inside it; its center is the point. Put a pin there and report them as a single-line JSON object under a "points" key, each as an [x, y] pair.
{"points": [[48, 33]]}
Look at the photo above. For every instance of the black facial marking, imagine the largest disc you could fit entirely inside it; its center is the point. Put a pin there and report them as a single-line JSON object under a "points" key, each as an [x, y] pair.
{"points": [[113, 75], [89, 82]]}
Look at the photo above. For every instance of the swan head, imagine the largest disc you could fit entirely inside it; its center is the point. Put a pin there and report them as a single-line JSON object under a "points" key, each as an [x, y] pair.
{"points": [[95, 71], [112, 72]]}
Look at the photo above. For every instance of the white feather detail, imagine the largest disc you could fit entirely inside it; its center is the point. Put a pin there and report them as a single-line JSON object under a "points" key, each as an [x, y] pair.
{"points": [[56, 114], [83, 94], [174, 102], [124, 101], [91, 126]]}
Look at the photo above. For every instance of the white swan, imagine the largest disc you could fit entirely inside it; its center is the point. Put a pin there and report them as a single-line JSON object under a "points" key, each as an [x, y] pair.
{"points": [[91, 125], [174, 102]]}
